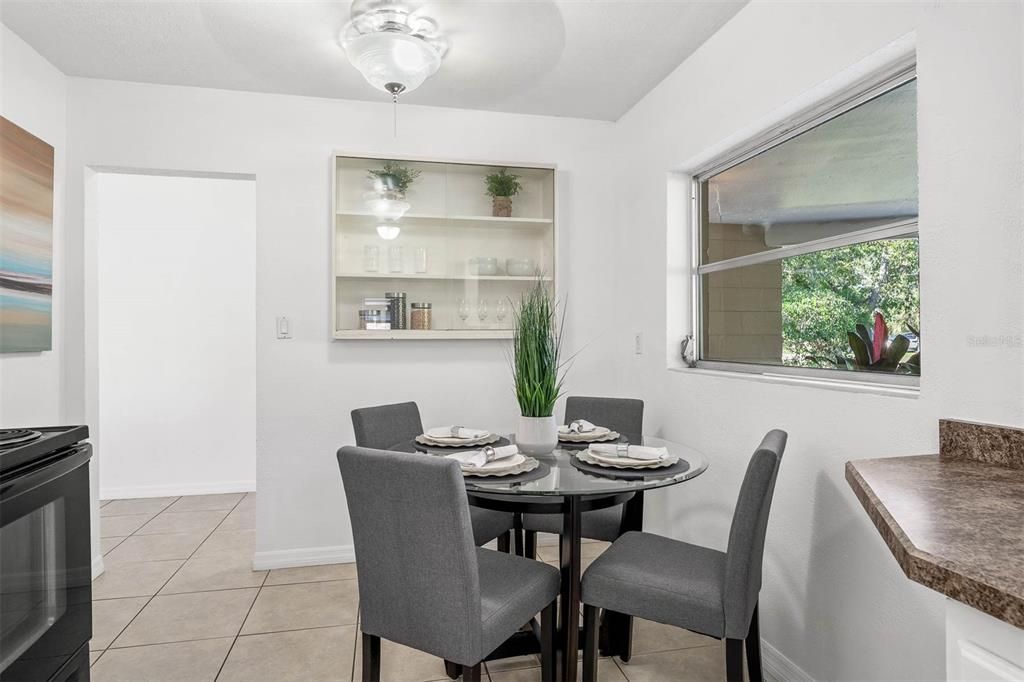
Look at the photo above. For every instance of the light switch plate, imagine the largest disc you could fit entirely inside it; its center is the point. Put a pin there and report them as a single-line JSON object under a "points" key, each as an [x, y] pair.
{"points": [[284, 328]]}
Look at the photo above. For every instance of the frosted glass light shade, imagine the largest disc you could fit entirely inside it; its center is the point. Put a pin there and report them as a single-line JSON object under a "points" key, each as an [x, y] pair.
{"points": [[389, 58], [388, 231], [384, 208]]}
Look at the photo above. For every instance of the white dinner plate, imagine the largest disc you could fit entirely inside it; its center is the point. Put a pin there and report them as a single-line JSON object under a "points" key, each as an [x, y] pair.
{"points": [[613, 462], [599, 434], [424, 439]]}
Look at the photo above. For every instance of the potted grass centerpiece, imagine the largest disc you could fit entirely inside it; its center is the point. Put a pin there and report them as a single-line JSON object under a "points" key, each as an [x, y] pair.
{"points": [[537, 370]]}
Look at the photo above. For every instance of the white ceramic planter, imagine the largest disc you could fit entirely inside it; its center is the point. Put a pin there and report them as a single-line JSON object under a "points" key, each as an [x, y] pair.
{"points": [[537, 435]]}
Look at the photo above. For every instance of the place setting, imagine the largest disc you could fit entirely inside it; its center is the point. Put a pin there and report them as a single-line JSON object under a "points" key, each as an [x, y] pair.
{"points": [[457, 437], [580, 433], [628, 461]]}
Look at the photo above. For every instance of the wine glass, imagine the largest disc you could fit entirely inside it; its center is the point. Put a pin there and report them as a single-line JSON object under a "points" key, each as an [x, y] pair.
{"points": [[501, 310], [481, 309], [463, 310]]}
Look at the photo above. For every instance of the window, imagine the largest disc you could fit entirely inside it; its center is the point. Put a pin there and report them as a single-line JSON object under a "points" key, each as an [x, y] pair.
{"points": [[807, 248]]}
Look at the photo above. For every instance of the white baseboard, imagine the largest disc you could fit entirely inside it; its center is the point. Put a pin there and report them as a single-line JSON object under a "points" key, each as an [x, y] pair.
{"points": [[303, 556], [97, 566], [779, 668], [176, 489]]}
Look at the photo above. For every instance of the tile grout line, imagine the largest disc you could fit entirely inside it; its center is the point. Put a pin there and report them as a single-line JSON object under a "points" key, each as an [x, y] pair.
{"points": [[241, 625], [149, 600]]}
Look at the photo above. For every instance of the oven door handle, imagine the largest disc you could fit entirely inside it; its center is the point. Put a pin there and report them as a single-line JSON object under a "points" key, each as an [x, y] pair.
{"points": [[44, 471]]}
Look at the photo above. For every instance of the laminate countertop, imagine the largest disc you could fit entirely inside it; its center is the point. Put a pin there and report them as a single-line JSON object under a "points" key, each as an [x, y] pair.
{"points": [[954, 521], [955, 525]]}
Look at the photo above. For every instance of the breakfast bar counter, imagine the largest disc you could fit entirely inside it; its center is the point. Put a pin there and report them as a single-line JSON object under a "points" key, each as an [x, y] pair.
{"points": [[955, 521]]}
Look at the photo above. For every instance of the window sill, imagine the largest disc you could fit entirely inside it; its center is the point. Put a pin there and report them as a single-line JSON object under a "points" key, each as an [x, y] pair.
{"points": [[891, 391]]}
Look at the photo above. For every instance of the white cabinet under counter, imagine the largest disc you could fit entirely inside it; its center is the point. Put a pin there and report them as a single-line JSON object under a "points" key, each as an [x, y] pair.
{"points": [[431, 231], [980, 647]]}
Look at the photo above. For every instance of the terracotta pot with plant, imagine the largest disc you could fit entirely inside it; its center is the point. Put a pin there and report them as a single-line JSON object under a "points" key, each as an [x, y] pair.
{"points": [[501, 187]]}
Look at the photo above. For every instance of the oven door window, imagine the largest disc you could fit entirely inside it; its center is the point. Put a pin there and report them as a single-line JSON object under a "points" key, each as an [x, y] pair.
{"points": [[33, 579]]}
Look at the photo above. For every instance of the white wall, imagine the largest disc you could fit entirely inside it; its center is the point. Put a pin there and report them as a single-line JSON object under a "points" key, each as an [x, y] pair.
{"points": [[306, 386], [34, 97], [176, 335], [834, 601]]}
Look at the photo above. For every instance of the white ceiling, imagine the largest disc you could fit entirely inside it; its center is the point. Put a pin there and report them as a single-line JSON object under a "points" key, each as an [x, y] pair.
{"points": [[583, 58]]}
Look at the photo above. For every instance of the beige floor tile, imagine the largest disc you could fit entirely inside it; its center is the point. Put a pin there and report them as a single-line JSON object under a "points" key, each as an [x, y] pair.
{"points": [[607, 671], [183, 522], [311, 574], [139, 579], [514, 663], [588, 552], [228, 544], [182, 617], [146, 505], [309, 605], [240, 519], [178, 662], [120, 526], [155, 548], [308, 655], [650, 637], [94, 656], [689, 665], [401, 664], [107, 544], [109, 618], [206, 502], [198, 575]]}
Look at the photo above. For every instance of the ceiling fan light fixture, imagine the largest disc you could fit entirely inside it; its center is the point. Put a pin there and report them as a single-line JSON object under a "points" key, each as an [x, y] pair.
{"points": [[394, 51]]}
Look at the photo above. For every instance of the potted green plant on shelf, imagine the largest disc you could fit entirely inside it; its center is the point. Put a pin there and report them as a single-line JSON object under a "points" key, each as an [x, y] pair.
{"points": [[537, 370], [393, 178], [501, 187]]}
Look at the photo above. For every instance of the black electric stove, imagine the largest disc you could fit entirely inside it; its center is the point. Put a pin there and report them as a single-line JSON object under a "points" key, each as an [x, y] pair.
{"points": [[45, 555]]}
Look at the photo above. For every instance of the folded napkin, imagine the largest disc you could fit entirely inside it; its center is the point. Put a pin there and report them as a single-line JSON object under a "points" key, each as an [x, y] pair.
{"points": [[578, 426], [478, 458], [456, 432], [632, 451]]}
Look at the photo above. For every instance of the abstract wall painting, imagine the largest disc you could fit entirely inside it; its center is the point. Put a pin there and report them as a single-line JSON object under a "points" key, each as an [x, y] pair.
{"points": [[26, 241]]}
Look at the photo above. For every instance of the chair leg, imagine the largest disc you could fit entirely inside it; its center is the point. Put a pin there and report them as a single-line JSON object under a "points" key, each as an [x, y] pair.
{"points": [[548, 632], [530, 551], [472, 674], [734, 660], [754, 672], [504, 543], [590, 627], [371, 658], [453, 670]]}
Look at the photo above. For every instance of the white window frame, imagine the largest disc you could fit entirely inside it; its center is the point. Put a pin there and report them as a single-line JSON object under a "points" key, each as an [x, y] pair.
{"points": [[881, 82]]}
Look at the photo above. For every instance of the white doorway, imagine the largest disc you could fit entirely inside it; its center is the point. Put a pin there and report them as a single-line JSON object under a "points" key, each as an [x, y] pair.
{"points": [[176, 315]]}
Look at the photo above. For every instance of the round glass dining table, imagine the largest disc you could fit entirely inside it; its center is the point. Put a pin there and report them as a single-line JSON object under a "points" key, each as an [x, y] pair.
{"points": [[557, 486]]}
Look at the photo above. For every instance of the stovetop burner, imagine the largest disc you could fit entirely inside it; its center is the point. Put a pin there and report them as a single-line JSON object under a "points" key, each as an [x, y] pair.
{"points": [[11, 437]]}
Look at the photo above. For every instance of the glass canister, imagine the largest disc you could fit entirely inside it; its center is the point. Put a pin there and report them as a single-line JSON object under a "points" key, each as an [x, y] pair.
{"points": [[421, 315], [399, 319]]}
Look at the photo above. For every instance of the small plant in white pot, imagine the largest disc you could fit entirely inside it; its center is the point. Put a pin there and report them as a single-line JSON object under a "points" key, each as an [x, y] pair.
{"points": [[537, 370]]}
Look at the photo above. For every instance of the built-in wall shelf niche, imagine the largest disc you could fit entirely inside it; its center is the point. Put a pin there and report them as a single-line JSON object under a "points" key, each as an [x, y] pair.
{"points": [[439, 240]]}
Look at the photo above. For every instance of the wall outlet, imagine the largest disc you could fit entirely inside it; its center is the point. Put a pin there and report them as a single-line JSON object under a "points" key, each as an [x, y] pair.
{"points": [[284, 328], [638, 343]]}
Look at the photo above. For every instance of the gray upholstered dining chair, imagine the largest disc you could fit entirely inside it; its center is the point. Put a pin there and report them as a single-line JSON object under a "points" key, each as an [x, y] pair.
{"points": [[625, 415], [383, 426], [705, 590], [422, 583]]}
